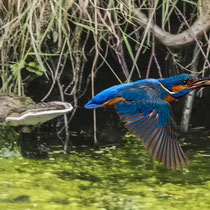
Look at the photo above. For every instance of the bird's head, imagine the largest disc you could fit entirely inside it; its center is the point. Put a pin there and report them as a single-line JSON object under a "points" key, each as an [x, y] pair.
{"points": [[180, 85]]}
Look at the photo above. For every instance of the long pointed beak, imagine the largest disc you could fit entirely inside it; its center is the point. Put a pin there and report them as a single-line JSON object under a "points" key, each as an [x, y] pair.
{"points": [[201, 82]]}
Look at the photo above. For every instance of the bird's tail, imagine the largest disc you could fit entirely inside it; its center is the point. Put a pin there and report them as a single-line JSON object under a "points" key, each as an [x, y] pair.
{"points": [[103, 98], [92, 105]]}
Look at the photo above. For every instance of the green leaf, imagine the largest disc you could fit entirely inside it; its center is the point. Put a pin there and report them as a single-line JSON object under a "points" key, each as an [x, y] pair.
{"points": [[34, 67], [16, 71], [191, 2], [84, 26], [129, 48], [17, 67]]}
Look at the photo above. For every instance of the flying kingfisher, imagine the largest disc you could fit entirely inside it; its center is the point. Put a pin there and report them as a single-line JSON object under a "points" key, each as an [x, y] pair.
{"points": [[144, 107]]}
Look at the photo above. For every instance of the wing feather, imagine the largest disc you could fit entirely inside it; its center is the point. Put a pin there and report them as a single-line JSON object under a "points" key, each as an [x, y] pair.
{"points": [[173, 158], [181, 157], [154, 141], [160, 141], [177, 157], [168, 162], [156, 152], [162, 149]]}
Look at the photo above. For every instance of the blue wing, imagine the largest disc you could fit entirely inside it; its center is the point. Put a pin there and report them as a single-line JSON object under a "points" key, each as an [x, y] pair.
{"points": [[150, 118]]}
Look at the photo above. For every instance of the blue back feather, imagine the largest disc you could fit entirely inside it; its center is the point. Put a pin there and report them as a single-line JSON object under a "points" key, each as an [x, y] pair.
{"points": [[122, 90], [132, 91]]}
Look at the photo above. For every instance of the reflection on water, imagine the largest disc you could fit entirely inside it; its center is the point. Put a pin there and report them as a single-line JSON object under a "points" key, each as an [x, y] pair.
{"points": [[115, 177]]}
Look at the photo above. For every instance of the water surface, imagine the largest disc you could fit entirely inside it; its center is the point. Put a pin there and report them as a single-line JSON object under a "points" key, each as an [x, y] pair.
{"points": [[122, 177]]}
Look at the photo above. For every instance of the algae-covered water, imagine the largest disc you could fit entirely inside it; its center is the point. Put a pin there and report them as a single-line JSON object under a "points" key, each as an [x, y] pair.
{"points": [[120, 177]]}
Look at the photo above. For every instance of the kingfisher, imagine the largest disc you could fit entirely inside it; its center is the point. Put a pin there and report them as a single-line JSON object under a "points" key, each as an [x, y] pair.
{"points": [[144, 107]]}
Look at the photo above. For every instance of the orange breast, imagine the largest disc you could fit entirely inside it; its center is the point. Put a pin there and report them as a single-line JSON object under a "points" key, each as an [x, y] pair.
{"points": [[170, 99], [113, 101]]}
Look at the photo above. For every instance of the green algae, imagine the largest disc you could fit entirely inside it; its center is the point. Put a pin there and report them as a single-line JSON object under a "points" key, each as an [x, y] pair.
{"points": [[123, 178]]}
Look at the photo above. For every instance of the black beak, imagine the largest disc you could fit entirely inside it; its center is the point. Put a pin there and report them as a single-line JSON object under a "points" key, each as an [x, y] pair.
{"points": [[201, 82]]}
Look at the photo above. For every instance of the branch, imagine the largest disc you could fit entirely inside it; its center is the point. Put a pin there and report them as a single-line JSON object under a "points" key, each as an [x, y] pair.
{"points": [[201, 25]]}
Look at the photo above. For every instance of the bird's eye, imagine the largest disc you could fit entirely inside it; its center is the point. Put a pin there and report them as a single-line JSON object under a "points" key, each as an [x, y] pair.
{"points": [[184, 82]]}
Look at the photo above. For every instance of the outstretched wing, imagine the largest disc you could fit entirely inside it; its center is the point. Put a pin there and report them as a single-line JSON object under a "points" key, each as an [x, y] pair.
{"points": [[149, 117]]}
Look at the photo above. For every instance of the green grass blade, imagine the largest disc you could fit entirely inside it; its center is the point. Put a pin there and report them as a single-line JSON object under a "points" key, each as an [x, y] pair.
{"points": [[130, 52], [112, 70]]}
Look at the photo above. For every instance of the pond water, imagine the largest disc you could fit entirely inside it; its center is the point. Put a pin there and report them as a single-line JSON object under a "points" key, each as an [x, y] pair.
{"points": [[122, 177]]}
